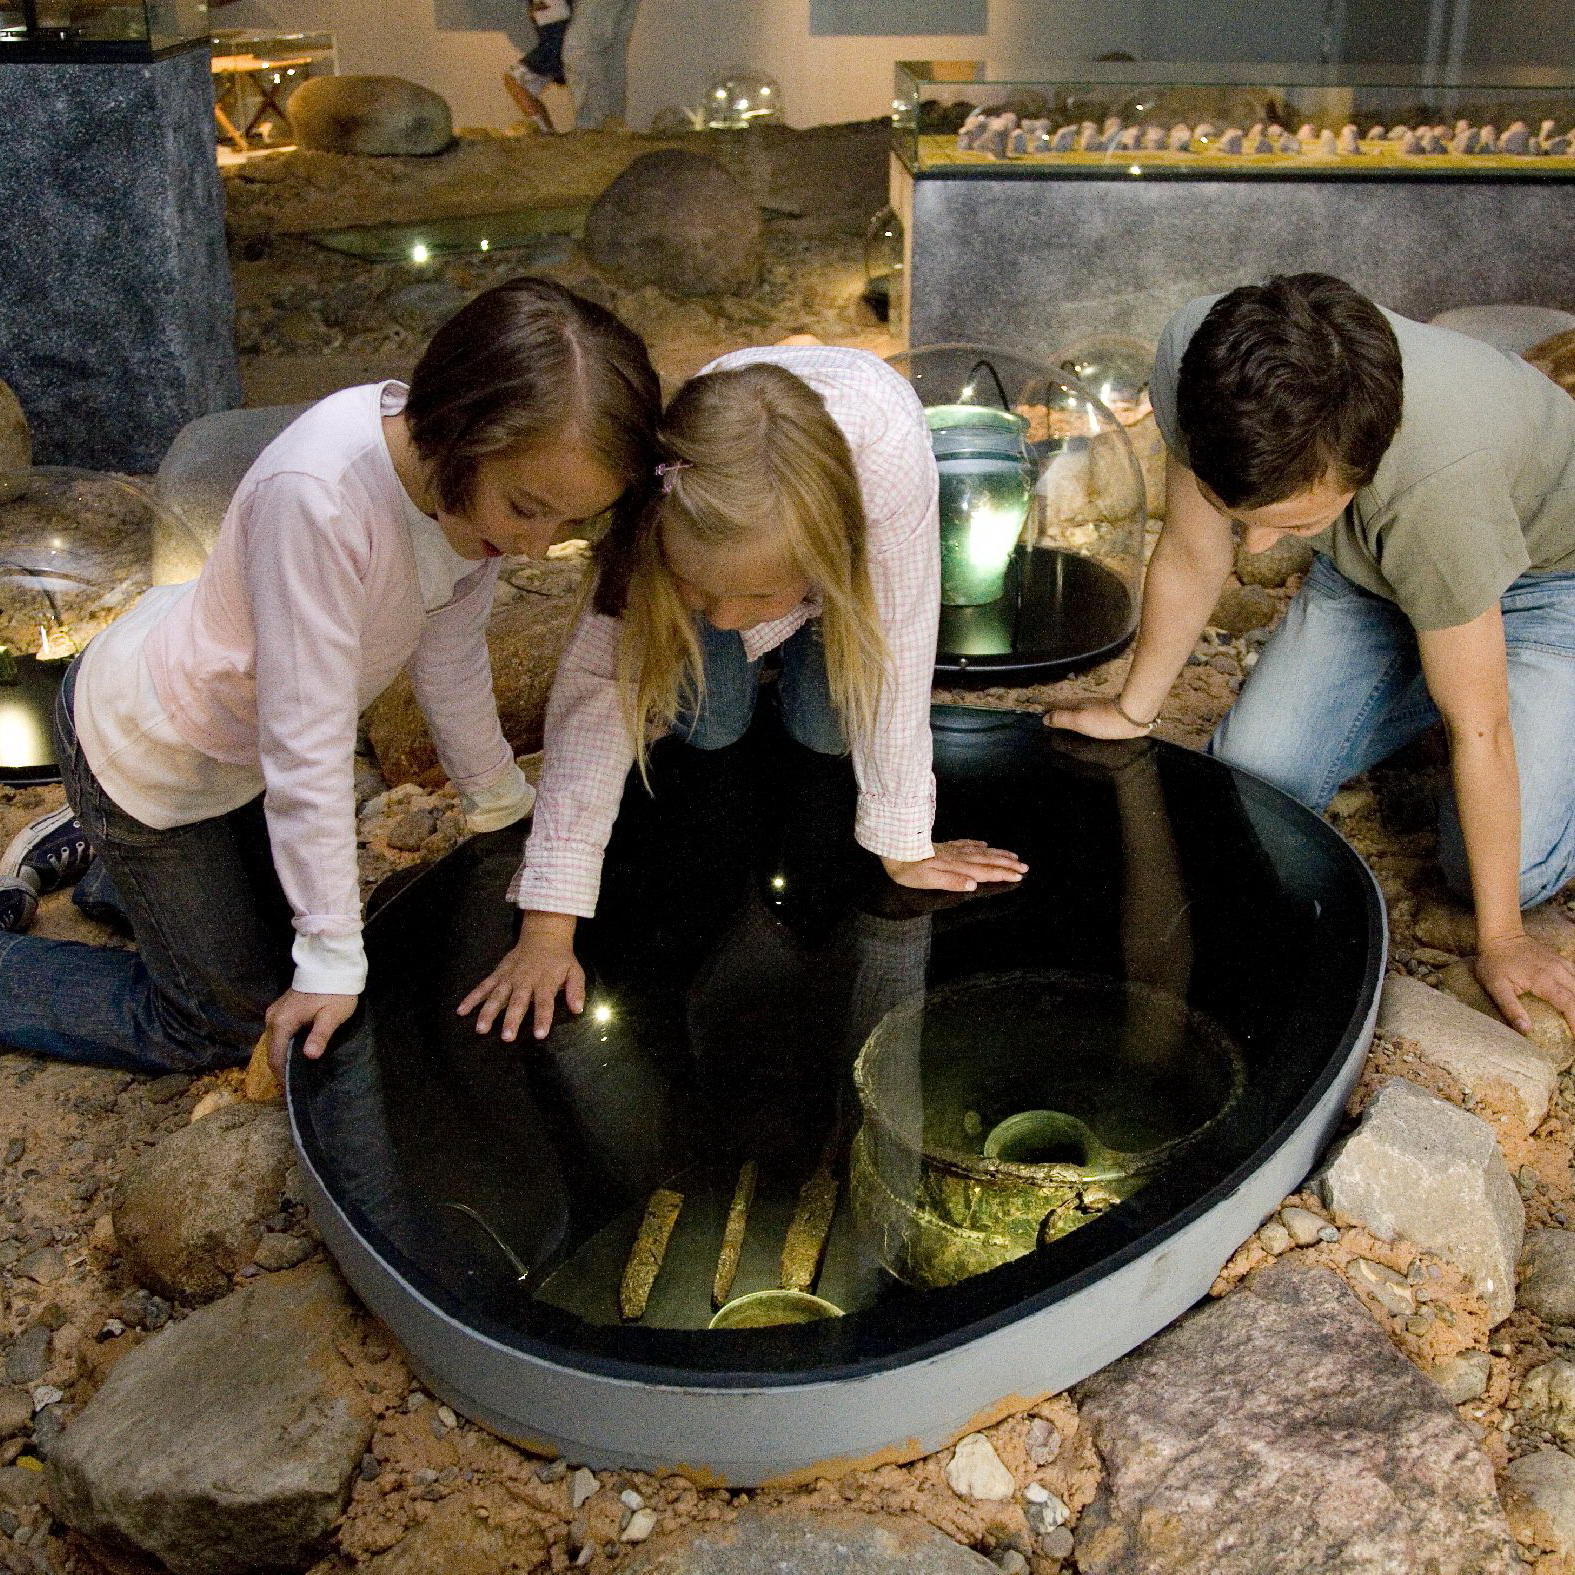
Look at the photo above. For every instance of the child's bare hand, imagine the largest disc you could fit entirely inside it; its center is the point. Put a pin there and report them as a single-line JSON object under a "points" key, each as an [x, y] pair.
{"points": [[1094, 718], [291, 1013], [957, 866], [1521, 965], [541, 964]]}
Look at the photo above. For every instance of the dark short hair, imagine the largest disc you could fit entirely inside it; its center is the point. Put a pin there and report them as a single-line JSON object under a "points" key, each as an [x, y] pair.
{"points": [[1287, 383], [521, 363]]}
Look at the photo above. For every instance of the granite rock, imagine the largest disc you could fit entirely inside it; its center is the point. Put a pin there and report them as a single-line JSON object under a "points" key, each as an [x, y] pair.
{"points": [[680, 221], [1471, 1047], [371, 116], [228, 1442], [794, 1542], [1279, 1429], [1463, 1378], [1539, 1499], [1547, 1275], [1547, 1400], [1244, 607], [1420, 1168], [189, 1213]]}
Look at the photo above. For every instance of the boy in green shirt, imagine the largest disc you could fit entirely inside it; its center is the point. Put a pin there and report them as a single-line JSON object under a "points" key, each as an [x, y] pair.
{"points": [[1436, 477]]}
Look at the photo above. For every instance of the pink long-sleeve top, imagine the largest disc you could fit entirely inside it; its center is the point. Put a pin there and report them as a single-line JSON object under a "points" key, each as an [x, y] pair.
{"points": [[588, 747], [325, 582]]}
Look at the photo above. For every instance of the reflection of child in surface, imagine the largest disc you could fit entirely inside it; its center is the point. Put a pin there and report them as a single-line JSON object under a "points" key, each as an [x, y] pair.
{"points": [[797, 510], [208, 737]]}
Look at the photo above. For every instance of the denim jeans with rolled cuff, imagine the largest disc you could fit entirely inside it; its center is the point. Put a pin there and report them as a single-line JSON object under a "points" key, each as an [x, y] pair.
{"points": [[1339, 687], [732, 684], [212, 926]]}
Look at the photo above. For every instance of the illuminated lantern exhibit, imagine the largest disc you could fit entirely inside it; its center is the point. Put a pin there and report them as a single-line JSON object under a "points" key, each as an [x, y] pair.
{"points": [[742, 99], [1042, 514], [76, 550]]}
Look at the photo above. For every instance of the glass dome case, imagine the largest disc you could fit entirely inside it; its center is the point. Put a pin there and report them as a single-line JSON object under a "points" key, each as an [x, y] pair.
{"points": [[1115, 367], [883, 265], [742, 99], [76, 550], [1042, 515]]}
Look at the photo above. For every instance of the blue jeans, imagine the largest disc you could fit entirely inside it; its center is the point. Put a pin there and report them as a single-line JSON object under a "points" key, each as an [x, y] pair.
{"points": [[1339, 687], [209, 916], [732, 683]]}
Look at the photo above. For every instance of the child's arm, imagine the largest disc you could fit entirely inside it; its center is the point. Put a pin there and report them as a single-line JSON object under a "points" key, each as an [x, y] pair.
{"points": [[305, 563], [1468, 677], [451, 675], [588, 756], [1191, 562]]}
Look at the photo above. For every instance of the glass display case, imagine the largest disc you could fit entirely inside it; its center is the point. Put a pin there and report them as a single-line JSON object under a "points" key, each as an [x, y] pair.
{"points": [[88, 29], [76, 551], [1190, 121], [254, 74], [1042, 513]]}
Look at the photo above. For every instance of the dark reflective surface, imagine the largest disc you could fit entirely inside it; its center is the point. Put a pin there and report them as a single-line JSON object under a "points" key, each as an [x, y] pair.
{"points": [[27, 707], [1061, 612], [744, 952]]}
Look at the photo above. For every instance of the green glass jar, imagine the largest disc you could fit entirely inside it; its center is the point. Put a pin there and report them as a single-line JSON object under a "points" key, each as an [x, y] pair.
{"points": [[987, 480]]}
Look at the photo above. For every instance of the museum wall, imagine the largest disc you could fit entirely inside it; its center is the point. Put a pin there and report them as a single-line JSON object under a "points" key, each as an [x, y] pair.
{"points": [[462, 47]]}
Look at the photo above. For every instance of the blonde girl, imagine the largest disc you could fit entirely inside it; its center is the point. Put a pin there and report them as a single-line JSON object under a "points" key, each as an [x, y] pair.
{"points": [[796, 509]]}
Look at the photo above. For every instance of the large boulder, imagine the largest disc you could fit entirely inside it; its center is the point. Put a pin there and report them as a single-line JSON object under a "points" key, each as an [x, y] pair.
{"points": [[198, 476], [228, 1442], [525, 638], [829, 1543], [16, 443], [1421, 1168], [190, 1213], [680, 221], [1278, 1429], [376, 117]]}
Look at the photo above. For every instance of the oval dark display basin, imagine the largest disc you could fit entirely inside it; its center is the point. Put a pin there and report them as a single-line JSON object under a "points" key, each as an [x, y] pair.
{"points": [[1081, 1094]]}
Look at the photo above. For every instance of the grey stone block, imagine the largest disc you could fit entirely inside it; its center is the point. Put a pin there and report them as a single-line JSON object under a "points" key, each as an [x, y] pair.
{"points": [[228, 1442], [1420, 1168], [1512, 327], [1547, 1275], [1470, 1046], [116, 309], [199, 475]]}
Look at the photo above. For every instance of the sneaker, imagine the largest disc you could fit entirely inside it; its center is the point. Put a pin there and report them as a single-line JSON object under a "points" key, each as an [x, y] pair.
{"points": [[54, 849], [524, 87], [18, 900]]}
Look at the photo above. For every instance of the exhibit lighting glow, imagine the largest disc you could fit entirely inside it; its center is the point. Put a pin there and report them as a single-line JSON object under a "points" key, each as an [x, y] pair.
{"points": [[1134, 169], [967, 392], [23, 733], [992, 533], [486, 245], [779, 883], [419, 252], [601, 1013]]}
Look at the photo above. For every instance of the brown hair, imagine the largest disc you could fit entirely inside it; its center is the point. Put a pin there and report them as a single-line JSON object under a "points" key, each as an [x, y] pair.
{"points": [[761, 460], [521, 363], [1285, 384]]}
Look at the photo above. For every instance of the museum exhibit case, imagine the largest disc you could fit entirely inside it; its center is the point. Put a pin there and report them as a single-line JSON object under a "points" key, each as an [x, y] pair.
{"points": [[76, 551], [94, 29], [1052, 200], [828, 1170], [1042, 515]]}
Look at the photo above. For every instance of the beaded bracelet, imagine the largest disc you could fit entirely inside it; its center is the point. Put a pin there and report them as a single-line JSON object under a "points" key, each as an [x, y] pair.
{"points": [[1126, 716]]}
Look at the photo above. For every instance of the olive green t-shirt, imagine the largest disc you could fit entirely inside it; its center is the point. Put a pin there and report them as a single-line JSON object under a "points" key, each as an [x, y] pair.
{"points": [[1477, 488]]}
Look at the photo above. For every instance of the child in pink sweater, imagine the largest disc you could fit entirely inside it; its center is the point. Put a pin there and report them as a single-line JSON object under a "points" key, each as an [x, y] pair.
{"points": [[207, 738]]}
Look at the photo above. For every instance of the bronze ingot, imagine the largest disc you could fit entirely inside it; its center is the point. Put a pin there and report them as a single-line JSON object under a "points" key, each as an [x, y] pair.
{"points": [[764, 1309]]}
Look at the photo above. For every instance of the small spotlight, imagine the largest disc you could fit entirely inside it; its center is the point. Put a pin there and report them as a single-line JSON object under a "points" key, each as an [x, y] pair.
{"points": [[779, 883], [1134, 169], [419, 252], [486, 245], [601, 1013]]}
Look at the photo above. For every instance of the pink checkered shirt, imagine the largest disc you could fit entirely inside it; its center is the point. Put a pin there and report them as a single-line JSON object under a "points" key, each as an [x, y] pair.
{"points": [[589, 752]]}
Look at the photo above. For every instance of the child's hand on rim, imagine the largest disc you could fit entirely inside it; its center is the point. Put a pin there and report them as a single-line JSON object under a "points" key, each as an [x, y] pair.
{"points": [[292, 1012], [541, 964], [963, 865]]}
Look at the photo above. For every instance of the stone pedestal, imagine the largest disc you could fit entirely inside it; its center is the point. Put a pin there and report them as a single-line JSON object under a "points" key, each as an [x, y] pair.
{"points": [[1038, 259], [116, 308]]}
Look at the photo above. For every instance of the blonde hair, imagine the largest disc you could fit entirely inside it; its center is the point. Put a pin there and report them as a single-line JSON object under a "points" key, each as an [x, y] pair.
{"points": [[759, 461]]}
